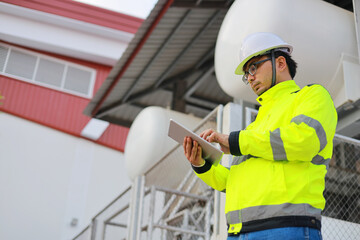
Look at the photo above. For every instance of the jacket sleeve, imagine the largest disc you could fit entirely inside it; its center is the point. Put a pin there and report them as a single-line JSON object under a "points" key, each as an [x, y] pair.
{"points": [[214, 176], [310, 131]]}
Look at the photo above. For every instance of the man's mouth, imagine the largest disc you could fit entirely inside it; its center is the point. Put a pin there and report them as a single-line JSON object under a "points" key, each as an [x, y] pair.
{"points": [[255, 86]]}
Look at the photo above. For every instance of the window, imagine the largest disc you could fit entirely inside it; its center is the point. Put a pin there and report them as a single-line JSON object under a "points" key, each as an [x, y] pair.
{"points": [[46, 71]]}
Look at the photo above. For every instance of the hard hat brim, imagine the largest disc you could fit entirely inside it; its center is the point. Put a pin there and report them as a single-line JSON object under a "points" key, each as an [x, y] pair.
{"points": [[239, 70]]}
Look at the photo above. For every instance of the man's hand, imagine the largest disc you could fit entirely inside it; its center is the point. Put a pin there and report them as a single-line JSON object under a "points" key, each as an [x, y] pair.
{"points": [[212, 136], [193, 151]]}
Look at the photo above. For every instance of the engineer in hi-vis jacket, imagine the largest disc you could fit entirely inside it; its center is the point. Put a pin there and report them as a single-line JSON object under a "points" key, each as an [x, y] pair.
{"points": [[274, 190]]}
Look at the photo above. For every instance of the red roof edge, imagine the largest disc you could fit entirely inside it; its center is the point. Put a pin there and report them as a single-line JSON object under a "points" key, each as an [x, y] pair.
{"points": [[99, 141], [83, 12]]}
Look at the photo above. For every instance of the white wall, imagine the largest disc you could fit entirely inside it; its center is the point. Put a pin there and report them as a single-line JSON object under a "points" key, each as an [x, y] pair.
{"points": [[47, 178], [61, 35]]}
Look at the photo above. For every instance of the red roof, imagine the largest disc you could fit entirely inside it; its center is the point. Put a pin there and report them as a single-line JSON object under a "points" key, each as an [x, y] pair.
{"points": [[83, 12]]}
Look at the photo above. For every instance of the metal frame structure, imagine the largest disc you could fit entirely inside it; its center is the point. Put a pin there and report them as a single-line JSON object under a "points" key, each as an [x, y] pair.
{"points": [[158, 212], [185, 216]]}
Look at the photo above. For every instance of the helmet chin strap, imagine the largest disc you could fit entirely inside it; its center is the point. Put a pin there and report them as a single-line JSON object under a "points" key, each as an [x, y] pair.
{"points": [[273, 81]]}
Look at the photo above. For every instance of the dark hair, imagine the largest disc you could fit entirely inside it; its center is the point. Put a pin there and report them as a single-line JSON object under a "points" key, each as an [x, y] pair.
{"points": [[292, 65]]}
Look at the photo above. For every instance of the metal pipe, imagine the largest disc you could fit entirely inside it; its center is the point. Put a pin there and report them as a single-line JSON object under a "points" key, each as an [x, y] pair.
{"points": [[113, 201], [82, 232], [172, 199], [196, 223], [207, 220], [182, 199], [117, 224], [184, 194], [136, 209], [347, 139], [116, 213], [151, 213], [176, 229], [185, 223], [217, 197], [93, 229]]}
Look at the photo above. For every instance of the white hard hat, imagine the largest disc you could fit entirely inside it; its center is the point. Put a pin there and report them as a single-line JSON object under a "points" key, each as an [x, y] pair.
{"points": [[260, 43]]}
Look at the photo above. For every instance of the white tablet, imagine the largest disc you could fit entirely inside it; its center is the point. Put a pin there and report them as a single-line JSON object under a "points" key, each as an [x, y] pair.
{"points": [[209, 152]]}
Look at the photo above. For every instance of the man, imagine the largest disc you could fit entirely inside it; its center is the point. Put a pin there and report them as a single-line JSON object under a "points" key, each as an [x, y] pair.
{"points": [[275, 189]]}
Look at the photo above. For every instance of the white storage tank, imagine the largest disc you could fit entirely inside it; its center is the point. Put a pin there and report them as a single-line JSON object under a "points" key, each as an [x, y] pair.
{"points": [[322, 34], [148, 140]]}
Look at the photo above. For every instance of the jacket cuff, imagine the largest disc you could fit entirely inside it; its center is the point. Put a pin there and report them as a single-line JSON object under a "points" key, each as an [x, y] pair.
{"points": [[234, 143], [204, 168]]}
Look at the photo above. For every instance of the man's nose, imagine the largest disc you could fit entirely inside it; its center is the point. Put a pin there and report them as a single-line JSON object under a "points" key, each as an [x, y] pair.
{"points": [[251, 78]]}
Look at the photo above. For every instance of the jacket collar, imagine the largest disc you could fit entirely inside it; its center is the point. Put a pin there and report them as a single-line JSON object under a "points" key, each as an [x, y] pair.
{"points": [[278, 91]]}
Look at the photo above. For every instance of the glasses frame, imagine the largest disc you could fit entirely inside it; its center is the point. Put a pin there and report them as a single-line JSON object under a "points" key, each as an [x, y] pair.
{"points": [[252, 72]]}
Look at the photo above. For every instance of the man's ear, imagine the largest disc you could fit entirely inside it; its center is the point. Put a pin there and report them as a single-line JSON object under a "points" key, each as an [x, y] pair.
{"points": [[281, 63]]}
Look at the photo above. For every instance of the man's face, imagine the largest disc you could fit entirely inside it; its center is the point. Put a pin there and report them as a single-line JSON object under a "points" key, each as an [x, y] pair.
{"points": [[261, 81]]}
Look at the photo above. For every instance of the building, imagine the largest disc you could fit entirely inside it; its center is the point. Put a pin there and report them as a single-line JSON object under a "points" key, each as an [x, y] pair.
{"points": [[175, 43], [58, 166]]}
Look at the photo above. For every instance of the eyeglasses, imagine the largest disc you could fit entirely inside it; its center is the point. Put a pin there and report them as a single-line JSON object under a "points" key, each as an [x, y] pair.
{"points": [[252, 70]]}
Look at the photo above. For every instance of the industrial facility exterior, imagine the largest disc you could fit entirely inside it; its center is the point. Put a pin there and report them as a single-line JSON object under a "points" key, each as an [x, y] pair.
{"points": [[74, 78]]}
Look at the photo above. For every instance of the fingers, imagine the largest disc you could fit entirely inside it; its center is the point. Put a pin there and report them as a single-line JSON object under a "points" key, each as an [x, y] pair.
{"points": [[192, 151], [208, 135], [199, 151], [187, 147]]}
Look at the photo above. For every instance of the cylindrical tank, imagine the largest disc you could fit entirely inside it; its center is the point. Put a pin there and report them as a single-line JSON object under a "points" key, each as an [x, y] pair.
{"points": [[148, 140], [319, 32]]}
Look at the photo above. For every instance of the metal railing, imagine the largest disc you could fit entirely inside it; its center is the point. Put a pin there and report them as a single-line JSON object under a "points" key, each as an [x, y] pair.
{"points": [[184, 213], [176, 214], [342, 192], [111, 222], [181, 206]]}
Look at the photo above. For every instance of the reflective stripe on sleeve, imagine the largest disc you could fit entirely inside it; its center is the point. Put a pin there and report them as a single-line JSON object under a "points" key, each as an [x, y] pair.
{"points": [[277, 145], [320, 160], [239, 159], [269, 211], [311, 122]]}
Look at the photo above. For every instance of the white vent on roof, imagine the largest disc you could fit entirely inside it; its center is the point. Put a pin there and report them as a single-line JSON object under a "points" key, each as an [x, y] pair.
{"points": [[46, 71], [94, 129]]}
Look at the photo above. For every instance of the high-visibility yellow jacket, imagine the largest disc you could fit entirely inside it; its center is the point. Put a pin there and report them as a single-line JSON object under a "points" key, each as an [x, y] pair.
{"points": [[280, 177]]}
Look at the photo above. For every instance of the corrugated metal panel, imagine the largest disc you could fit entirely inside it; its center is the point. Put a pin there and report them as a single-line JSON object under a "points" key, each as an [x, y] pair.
{"points": [[46, 106], [182, 39], [83, 12], [57, 109], [126, 55]]}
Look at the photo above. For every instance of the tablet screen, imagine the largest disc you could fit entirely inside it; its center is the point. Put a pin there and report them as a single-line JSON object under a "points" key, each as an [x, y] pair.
{"points": [[209, 152]]}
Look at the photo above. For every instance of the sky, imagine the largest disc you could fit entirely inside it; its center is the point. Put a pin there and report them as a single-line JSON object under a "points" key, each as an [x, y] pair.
{"points": [[136, 8]]}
